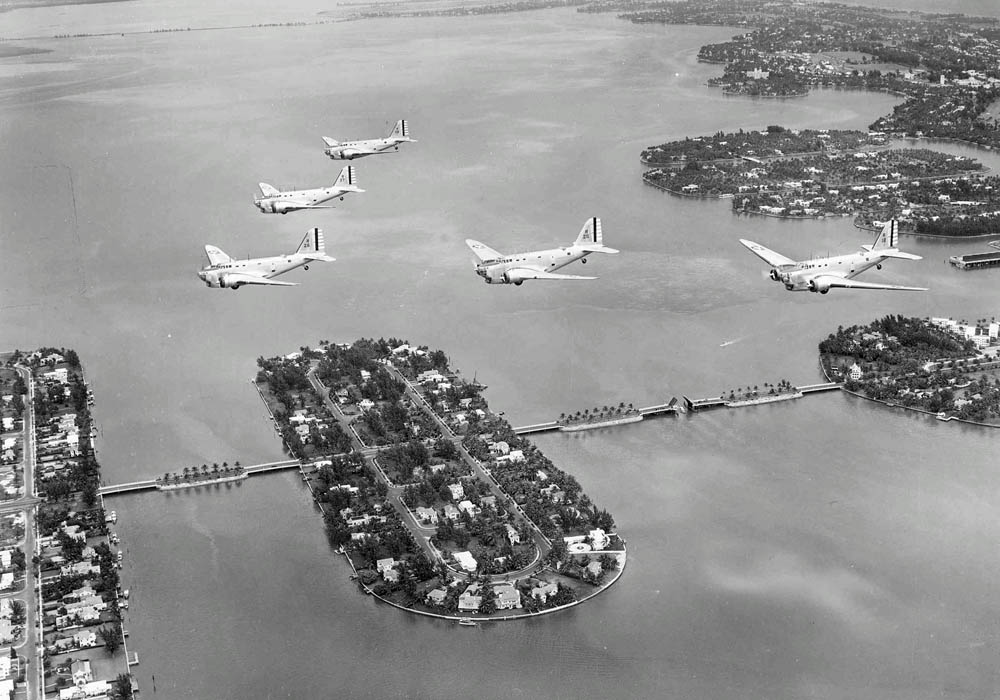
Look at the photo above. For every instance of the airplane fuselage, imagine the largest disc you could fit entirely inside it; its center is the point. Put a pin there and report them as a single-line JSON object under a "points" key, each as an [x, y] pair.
{"points": [[215, 275], [796, 277], [496, 271], [284, 202]]}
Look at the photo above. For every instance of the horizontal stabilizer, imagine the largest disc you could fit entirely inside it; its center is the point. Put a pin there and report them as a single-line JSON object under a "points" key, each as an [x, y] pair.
{"points": [[898, 254], [601, 249]]}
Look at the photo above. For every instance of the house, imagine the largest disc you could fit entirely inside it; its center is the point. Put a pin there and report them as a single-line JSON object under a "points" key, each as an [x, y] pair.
{"points": [[427, 515], [467, 507], [437, 596], [95, 690], [594, 568], [457, 492], [81, 672], [488, 502], [359, 536], [855, 372], [512, 535], [544, 591], [85, 639], [599, 539], [391, 575], [382, 565], [366, 404], [451, 512], [469, 601], [499, 448], [466, 561], [507, 596], [353, 490], [365, 376]]}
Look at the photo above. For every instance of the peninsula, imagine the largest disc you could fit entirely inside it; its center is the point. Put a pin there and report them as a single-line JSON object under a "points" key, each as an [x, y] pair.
{"points": [[439, 507]]}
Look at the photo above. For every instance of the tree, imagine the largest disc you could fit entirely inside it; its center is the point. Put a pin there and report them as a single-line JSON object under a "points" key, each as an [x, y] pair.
{"points": [[121, 689], [112, 638]]}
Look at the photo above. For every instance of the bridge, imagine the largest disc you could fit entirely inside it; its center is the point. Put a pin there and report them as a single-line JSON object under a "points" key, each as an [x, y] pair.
{"points": [[826, 386], [149, 484]]}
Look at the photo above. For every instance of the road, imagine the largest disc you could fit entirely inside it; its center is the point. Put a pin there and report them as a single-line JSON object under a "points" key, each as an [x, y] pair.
{"points": [[542, 544], [31, 648]]}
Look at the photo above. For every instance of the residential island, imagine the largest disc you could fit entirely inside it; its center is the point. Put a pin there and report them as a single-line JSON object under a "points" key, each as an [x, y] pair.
{"points": [[60, 599], [939, 366], [438, 506]]}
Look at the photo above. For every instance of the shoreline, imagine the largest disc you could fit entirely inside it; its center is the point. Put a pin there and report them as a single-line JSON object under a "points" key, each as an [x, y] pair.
{"points": [[576, 427]]}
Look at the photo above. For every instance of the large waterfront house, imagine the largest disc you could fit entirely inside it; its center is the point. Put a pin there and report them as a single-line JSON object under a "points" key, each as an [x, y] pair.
{"points": [[507, 595], [469, 601]]}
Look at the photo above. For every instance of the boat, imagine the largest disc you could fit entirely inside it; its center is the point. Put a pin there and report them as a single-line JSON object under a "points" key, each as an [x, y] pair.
{"points": [[467, 621]]}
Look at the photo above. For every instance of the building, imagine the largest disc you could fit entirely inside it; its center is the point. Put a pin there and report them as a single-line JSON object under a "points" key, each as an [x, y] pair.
{"points": [[507, 596], [457, 492], [599, 539], [467, 507], [544, 591], [427, 515], [466, 561], [469, 601], [384, 565], [451, 512], [437, 597], [855, 372], [512, 535]]}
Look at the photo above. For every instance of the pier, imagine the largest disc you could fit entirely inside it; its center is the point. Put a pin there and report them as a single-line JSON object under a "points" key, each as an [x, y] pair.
{"points": [[151, 484], [975, 261]]}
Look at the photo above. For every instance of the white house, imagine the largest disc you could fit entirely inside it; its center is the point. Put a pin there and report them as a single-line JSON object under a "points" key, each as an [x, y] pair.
{"points": [[457, 492], [428, 515], [466, 561]]}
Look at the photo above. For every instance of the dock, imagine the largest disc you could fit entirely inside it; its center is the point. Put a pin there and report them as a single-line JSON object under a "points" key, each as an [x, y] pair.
{"points": [[975, 261]]}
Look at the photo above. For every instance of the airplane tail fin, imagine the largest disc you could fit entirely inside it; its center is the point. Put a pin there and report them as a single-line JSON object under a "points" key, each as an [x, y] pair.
{"points": [[889, 237], [330, 142], [267, 190], [400, 131], [887, 243], [591, 237], [348, 180], [313, 246]]}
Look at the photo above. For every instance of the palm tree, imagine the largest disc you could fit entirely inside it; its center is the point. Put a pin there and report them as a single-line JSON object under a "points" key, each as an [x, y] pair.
{"points": [[186, 470]]}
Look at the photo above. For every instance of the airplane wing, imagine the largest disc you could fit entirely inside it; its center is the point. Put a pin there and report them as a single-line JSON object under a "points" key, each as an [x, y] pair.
{"points": [[528, 273], [216, 256], [482, 251], [245, 278], [766, 254], [835, 281]]}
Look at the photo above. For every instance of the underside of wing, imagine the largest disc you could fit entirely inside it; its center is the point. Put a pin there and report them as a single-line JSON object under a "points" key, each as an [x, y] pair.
{"points": [[528, 273], [244, 278], [835, 281], [766, 254], [482, 251]]}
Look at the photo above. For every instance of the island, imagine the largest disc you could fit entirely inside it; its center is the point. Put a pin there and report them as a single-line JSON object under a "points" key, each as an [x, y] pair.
{"points": [[61, 601], [438, 506], [939, 366]]}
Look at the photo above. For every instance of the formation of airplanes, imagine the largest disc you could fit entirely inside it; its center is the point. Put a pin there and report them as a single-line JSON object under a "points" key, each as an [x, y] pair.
{"points": [[496, 268], [274, 201], [349, 150], [814, 275], [224, 272], [823, 274]]}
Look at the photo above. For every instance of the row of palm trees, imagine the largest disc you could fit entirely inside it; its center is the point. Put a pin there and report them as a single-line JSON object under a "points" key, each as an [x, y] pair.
{"points": [[195, 474], [598, 414], [782, 387]]}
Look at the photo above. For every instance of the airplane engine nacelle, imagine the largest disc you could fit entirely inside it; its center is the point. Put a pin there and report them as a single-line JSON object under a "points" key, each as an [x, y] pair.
{"points": [[513, 278], [821, 287], [227, 282], [775, 275]]}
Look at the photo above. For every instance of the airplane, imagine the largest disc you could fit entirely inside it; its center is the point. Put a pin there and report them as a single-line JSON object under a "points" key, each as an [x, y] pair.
{"points": [[822, 274], [223, 271], [349, 150], [273, 201], [496, 268]]}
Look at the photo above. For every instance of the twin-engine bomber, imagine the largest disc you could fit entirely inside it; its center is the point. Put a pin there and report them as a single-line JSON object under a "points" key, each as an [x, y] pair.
{"points": [[274, 201], [496, 268], [822, 274], [223, 271], [349, 150]]}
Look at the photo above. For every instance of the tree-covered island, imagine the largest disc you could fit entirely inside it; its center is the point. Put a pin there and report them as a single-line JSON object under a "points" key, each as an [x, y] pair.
{"points": [[939, 365], [439, 506]]}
